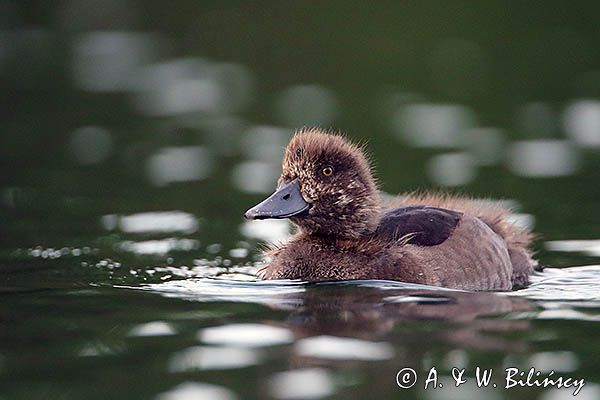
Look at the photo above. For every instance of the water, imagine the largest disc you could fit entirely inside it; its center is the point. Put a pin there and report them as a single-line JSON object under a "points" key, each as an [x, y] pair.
{"points": [[231, 338], [133, 139]]}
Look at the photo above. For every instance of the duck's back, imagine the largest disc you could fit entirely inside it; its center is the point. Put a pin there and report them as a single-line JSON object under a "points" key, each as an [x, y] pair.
{"points": [[473, 257], [483, 235]]}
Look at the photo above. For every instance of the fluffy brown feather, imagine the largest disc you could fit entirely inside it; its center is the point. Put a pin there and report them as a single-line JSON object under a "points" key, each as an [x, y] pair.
{"points": [[493, 214], [338, 239]]}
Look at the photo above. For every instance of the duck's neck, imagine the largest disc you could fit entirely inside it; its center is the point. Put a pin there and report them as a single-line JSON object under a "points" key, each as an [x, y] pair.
{"points": [[355, 222], [343, 231]]}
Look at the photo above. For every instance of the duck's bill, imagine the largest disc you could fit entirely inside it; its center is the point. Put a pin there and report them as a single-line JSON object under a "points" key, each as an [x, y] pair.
{"points": [[286, 202]]}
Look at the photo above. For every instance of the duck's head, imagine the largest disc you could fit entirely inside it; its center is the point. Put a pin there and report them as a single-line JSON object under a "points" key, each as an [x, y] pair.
{"points": [[326, 187]]}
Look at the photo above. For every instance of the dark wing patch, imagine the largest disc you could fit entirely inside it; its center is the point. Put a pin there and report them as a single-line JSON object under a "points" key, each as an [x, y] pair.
{"points": [[428, 225]]}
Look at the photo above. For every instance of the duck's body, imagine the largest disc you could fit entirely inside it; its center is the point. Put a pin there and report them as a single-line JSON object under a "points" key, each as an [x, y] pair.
{"points": [[474, 256], [345, 233]]}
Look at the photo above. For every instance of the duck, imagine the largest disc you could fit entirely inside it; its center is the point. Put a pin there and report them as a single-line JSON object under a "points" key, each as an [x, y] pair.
{"points": [[347, 231]]}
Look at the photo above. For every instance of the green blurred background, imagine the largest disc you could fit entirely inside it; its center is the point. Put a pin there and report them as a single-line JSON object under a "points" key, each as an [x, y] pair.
{"points": [[445, 93]]}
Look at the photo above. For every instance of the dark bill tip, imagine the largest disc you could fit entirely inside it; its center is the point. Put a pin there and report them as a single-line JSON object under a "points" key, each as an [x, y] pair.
{"points": [[286, 202]]}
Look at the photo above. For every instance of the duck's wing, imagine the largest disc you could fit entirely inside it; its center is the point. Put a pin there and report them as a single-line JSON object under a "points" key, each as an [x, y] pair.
{"points": [[419, 225]]}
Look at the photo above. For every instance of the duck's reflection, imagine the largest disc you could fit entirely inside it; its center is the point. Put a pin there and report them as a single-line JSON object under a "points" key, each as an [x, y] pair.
{"points": [[354, 331], [470, 320], [409, 316]]}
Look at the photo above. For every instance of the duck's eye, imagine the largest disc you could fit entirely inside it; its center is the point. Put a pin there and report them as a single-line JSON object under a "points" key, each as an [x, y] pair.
{"points": [[327, 170]]}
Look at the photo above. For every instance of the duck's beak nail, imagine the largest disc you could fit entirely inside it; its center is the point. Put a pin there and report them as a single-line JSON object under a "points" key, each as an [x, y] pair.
{"points": [[250, 214], [286, 202]]}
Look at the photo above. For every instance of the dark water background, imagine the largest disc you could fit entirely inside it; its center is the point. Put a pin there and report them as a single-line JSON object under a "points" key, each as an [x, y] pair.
{"points": [[133, 136]]}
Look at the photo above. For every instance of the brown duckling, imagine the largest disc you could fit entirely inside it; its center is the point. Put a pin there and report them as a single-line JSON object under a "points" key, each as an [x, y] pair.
{"points": [[328, 191]]}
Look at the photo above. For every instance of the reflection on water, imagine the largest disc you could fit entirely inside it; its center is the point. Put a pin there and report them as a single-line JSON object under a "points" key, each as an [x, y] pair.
{"points": [[154, 328], [307, 105], [162, 246], [212, 358], [192, 85], [341, 348], [179, 164], [543, 158], [591, 247], [152, 222], [263, 147], [255, 176], [582, 122], [245, 335], [358, 309], [303, 383], [268, 230], [196, 390], [433, 125], [282, 294], [485, 145], [206, 336], [329, 326], [107, 61], [451, 169]]}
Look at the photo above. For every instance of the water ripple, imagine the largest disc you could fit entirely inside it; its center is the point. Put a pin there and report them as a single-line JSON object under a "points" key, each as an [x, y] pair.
{"points": [[565, 284], [281, 293], [553, 294]]}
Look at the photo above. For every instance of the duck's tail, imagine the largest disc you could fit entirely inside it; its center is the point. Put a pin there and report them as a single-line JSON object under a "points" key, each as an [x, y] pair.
{"points": [[496, 216]]}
